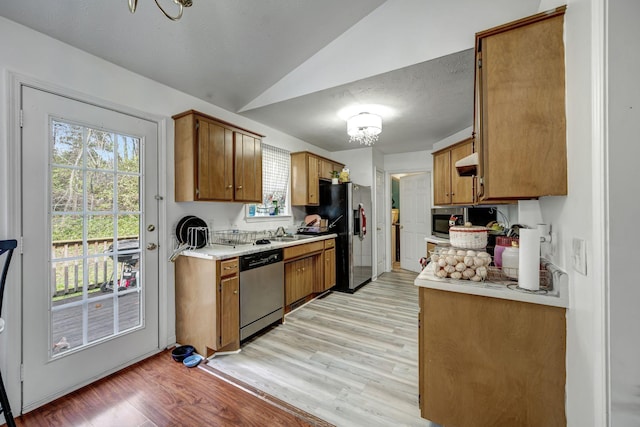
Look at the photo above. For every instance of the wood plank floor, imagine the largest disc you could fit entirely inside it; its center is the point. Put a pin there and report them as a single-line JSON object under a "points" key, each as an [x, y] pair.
{"points": [[350, 359], [161, 392]]}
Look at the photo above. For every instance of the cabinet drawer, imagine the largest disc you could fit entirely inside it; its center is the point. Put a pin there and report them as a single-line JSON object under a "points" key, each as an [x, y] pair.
{"points": [[299, 250], [330, 243], [229, 267]]}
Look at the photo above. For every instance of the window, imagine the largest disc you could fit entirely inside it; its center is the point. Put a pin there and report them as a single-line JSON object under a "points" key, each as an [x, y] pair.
{"points": [[276, 164]]}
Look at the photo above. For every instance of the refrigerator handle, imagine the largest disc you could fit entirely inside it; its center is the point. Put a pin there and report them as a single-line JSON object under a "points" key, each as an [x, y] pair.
{"points": [[360, 222]]}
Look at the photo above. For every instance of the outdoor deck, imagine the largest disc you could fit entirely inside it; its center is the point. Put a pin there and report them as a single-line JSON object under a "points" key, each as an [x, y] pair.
{"points": [[67, 322]]}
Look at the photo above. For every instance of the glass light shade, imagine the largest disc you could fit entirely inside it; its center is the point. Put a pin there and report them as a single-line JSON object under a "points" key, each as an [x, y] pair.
{"points": [[364, 122], [364, 128]]}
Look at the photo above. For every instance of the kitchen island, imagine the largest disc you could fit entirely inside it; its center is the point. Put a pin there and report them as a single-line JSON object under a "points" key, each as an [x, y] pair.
{"points": [[490, 354]]}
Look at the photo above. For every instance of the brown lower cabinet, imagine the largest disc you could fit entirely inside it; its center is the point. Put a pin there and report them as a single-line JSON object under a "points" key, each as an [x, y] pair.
{"points": [[490, 362], [309, 269], [207, 304]]}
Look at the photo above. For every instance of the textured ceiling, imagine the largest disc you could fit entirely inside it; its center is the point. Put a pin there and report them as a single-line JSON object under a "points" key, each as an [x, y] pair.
{"points": [[295, 65]]}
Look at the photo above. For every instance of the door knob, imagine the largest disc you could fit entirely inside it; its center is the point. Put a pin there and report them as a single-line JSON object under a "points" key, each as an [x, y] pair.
{"points": [[152, 246]]}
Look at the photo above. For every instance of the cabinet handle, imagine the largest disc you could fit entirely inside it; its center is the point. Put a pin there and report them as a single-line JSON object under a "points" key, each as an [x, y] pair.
{"points": [[235, 292], [453, 194], [229, 186], [239, 187]]}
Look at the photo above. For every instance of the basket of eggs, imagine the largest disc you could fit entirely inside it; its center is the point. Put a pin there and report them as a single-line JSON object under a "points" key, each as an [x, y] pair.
{"points": [[460, 264]]}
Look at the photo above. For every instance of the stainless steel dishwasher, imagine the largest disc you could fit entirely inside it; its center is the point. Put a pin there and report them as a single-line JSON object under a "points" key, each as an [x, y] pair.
{"points": [[261, 291]]}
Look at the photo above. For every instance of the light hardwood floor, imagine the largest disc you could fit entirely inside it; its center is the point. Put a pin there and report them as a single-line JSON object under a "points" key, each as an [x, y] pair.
{"points": [[349, 359]]}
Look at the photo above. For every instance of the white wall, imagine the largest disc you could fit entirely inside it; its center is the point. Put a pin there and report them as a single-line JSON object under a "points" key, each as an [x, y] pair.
{"points": [[574, 216], [624, 175], [43, 59], [359, 161]]}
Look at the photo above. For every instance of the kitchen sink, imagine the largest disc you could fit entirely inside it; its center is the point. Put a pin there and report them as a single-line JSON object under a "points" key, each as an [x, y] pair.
{"points": [[286, 238]]}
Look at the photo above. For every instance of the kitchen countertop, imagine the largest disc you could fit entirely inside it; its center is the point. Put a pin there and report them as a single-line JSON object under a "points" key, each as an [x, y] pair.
{"points": [[222, 252], [558, 297], [437, 240]]}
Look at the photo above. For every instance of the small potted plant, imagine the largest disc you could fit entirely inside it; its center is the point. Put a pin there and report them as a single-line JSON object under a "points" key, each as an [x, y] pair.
{"points": [[334, 177]]}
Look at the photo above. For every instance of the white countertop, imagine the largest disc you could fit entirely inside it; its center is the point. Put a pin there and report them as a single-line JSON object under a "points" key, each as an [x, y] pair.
{"points": [[558, 297], [226, 251], [437, 240]]}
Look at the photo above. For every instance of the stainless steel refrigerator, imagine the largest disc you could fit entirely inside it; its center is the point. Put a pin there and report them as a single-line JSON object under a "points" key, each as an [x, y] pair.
{"points": [[348, 207]]}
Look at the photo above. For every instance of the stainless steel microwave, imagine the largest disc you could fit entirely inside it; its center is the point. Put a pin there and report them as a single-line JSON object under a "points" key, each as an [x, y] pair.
{"points": [[440, 218]]}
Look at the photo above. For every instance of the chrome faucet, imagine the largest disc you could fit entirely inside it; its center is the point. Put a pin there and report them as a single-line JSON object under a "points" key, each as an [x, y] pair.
{"points": [[280, 232]]}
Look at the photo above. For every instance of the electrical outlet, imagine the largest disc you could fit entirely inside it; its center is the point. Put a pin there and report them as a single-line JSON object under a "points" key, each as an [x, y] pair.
{"points": [[580, 256]]}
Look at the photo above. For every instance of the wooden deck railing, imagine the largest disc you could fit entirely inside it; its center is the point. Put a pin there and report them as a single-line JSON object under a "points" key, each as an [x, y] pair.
{"points": [[67, 277]]}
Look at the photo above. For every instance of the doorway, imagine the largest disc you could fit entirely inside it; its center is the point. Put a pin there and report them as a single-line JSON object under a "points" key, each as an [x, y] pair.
{"points": [[90, 230], [408, 233]]}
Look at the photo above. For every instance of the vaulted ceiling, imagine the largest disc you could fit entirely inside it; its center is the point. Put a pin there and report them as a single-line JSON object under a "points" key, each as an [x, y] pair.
{"points": [[300, 66]]}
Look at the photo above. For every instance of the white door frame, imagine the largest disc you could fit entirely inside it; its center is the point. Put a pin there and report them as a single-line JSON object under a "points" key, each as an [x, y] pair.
{"points": [[377, 206], [387, 197], [11, 337]]}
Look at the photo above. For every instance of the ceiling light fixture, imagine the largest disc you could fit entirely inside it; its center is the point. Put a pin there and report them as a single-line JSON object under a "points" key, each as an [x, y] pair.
{"points": [[181, 4], [364, 128]]}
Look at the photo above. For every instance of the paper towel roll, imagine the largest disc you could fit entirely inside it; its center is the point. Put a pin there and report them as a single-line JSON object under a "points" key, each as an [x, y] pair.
{"points": [[529, 261]]}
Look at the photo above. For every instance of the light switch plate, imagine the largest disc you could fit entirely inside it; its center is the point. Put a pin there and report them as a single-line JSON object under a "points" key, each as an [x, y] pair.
{"points": [[580, 256]]}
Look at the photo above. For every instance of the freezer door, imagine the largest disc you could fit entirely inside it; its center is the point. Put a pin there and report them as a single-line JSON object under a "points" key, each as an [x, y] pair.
{"points": [[362, 260]]}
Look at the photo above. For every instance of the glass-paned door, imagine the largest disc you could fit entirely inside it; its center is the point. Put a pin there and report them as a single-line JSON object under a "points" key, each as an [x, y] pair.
{"points": [[95, 195], [90, 232]]}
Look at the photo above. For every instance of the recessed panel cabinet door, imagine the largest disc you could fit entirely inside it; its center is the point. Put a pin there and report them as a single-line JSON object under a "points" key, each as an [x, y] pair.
{"points": [[229, 311], [314, 181], [442, 178], [248, 168], [329, 268], [520, 79], [215, 162], [461, 186]]}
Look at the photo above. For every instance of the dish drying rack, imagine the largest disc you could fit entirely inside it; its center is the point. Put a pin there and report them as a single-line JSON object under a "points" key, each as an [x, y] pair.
{"points": [[233, 237]]}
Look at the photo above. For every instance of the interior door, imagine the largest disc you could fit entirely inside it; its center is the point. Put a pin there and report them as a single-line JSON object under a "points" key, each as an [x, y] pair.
{"points": [[415, 196], [90, 282], [381, 252]]}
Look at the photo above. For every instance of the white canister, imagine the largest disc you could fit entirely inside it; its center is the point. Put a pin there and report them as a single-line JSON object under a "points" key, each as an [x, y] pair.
{"points": [[510, 260]]}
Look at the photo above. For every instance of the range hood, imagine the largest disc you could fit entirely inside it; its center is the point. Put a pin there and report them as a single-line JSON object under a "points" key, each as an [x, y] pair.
{"points": [[468, 166]]}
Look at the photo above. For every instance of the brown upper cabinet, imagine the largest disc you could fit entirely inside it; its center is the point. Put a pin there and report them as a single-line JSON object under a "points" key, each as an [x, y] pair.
{"points": [[448, 187], [520, 125], [215, 160], [306, 171]]}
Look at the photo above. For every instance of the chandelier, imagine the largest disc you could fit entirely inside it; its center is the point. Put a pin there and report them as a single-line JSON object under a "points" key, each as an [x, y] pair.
{"points": [[181, 5], [364, 128]]}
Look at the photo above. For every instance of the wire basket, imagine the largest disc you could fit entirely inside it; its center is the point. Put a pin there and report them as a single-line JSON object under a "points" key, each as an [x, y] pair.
{"points": [[233, 237], [477, 266]]}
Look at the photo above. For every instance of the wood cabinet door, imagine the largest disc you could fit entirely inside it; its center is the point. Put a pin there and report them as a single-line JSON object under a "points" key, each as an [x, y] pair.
{"points": [[229, 311], [502, 361], [461, 186], [313, 183], [327, 167], [214, 162], [309, 273], [299, 278], [329, 269], [442, 178], [299, 178], [292, 281], [248, 168], [521, 92]]}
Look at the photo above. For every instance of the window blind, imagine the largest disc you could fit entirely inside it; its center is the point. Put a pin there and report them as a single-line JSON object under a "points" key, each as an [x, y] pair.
{"points": [[276, 164]]}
